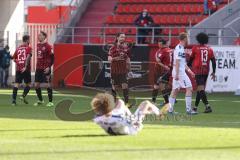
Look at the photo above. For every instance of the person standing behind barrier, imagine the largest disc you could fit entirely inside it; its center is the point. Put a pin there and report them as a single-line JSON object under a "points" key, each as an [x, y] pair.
{"points": [[144, 20], [210, 6], [5, 59]]}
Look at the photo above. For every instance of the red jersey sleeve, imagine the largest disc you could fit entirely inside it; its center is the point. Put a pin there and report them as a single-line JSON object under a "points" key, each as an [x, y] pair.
{"points": [[194, 50], [49, 49], [110, 52], [162, 57], [128, 51], [29, 51], [211, 54]]}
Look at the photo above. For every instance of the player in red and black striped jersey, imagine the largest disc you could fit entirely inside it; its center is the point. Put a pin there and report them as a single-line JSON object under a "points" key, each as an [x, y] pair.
{"points": [[120, 65], [22, 58], [45, 59], [200, 60], [162, 71]]}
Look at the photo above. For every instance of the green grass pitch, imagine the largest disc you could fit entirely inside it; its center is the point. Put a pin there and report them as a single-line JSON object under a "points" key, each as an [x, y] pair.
{"points": [[35, 133]]}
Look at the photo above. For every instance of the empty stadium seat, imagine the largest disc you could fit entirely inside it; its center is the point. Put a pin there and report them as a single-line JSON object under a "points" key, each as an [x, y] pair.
{"points": [[179, 13]]}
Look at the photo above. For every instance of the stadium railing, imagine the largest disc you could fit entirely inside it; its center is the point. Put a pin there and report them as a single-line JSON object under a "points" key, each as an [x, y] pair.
{"points": [[91, 35]]}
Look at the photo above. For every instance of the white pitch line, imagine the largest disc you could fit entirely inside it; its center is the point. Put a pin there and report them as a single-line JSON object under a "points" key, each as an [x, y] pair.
{"points": [[138, 98]]}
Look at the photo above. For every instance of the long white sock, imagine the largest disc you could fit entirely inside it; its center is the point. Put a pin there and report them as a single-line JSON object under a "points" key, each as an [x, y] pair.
{"points": [[139, 115], [171, 103], [188, 100], [155, 110]]}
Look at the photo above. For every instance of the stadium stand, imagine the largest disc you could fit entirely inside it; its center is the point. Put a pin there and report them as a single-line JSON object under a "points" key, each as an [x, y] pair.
{"points": [[166, 13], [103, 19]]}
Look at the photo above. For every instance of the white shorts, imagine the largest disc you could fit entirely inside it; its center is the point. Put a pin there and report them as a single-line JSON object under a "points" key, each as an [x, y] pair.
{"points": [[135, 125], [183, 82]]}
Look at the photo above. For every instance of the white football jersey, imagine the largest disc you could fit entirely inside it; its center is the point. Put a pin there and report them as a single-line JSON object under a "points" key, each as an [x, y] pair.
{"points": [[179, 54], [120, 122]]}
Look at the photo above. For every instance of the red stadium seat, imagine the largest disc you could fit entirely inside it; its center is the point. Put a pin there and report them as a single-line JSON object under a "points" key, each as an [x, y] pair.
{"points": [[163, 20], [187, 9]]}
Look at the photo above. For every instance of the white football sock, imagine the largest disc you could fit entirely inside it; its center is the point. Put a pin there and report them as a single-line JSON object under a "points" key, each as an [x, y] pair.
{"points": [[171, 103], [188, 100], [155, 110]]}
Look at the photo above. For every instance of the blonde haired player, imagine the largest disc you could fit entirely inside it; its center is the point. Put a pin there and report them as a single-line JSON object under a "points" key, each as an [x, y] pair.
{"points": [[180, 77], [115, 117]]}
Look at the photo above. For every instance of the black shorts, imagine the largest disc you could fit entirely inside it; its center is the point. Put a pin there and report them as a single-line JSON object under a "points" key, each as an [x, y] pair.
{"points": [[161, 78], [201, 79], [118, 79], [25, 76], [41, 77]]}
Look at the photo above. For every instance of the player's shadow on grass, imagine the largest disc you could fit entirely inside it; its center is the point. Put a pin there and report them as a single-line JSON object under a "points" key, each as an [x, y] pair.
{"points": [[85, 135], [118, 150], [77, 136]]}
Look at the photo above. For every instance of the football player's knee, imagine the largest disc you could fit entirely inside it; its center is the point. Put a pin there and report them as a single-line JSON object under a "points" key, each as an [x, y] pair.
{"points": [[124, 85], [156, 86], [28, 85], [37, 85], [16, 85], [189, 91], [49, 85], [174, 92], [201, 87], [145, 103]]}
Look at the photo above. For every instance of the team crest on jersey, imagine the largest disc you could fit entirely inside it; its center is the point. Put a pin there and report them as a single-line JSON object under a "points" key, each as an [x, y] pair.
{"points": [[43, 48]]}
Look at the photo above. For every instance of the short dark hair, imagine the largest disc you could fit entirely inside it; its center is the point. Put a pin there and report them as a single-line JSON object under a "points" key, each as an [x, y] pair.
{"points": [[25, 38], [202, 38], [163, 41], [44, 34]]}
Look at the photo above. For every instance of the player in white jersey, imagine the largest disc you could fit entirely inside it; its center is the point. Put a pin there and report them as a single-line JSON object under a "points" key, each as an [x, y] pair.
{"points": [[180, 77], [116, 118]]}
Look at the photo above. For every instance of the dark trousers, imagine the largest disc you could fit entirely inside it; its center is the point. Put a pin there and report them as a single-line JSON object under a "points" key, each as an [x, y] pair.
{"points": [[142, 33], [4, 74]]}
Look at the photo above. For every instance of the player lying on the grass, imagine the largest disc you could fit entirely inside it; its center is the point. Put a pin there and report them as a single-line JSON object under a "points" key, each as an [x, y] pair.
{"points": [[200, 60], [45, 59], [162, 71], [180, 78], [118, 57], [115, 117], [22, 58]]}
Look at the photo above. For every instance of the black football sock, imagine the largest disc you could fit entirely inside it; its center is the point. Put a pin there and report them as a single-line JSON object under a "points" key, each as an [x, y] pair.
{"points": [[39, 94], [166, 94], [154, 95], [26, 91], [114, 94], [14, 95], [50, 94], [125, 95], [198, 98], [204, 97]]}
